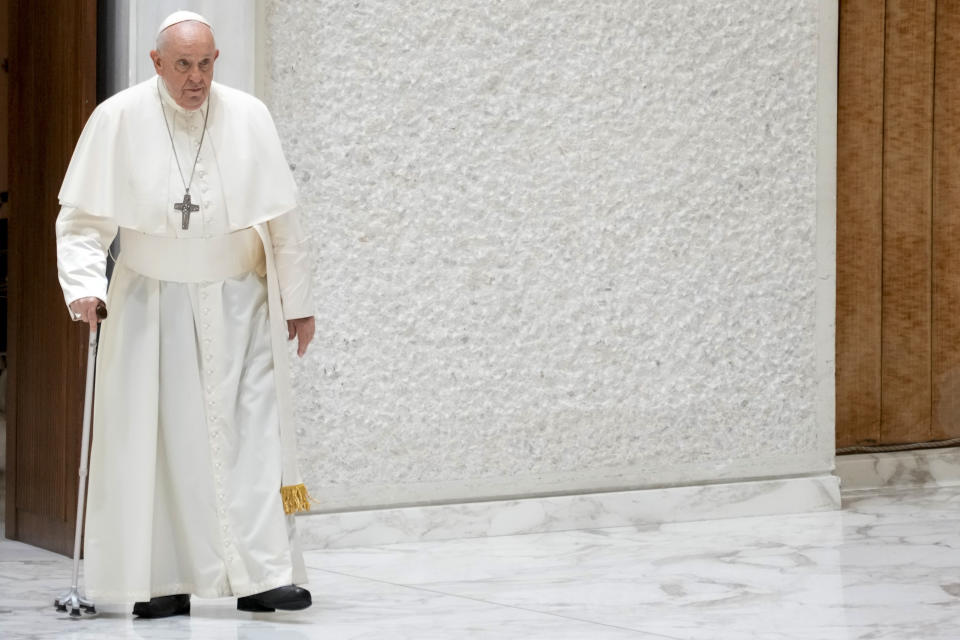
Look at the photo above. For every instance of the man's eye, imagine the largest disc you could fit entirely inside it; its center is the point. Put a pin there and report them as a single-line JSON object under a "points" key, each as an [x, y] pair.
{"points": [[204, 64], [183, 65]]}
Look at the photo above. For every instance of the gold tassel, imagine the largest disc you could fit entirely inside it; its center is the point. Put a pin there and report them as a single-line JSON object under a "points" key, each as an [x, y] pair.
{"points": [[295, 498]]}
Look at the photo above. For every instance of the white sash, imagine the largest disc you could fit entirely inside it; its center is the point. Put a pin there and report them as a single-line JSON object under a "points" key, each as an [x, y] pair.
{"points": [[193, 259]]}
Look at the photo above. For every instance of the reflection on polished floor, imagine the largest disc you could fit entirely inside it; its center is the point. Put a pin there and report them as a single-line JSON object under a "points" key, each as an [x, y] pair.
{"points": [[886, 567]]}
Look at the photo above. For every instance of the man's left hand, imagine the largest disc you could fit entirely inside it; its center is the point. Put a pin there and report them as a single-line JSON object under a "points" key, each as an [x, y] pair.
{"points": [[302, 329]]}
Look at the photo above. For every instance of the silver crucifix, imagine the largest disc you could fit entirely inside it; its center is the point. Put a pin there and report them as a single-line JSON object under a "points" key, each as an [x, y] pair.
{"points": [[186, 208]]}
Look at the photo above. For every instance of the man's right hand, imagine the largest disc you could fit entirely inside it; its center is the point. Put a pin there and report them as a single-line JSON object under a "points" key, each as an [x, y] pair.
{"points": [[86, 308]]}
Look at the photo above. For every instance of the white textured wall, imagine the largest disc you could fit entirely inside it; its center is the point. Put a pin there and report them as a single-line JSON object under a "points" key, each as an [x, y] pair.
{"points": [[562, 245]]}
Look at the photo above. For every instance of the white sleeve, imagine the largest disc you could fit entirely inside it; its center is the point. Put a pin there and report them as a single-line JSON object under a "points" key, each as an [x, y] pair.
{"points": [[292, 256], [82, 244]]}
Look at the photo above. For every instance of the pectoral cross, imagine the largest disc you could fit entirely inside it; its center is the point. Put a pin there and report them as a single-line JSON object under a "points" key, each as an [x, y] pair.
{"points": [[186, 208]]}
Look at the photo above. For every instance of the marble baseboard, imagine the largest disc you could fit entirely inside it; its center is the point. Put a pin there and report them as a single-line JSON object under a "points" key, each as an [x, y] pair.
{"points": [[922, 468], [562, 513]]}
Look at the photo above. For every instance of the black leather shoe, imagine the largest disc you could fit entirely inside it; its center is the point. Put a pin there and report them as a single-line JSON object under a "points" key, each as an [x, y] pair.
{"points": [[163, 607], [290, 598]]}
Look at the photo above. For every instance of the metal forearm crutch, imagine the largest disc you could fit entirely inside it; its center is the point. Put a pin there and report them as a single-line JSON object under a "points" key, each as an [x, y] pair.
{"points": [[73, 600]]}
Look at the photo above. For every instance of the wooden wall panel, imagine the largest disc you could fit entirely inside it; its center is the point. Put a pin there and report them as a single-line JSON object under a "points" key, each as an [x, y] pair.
{"points": [[4, 98], [946, 225], [907, 174], [859, 221], [53, 81]]}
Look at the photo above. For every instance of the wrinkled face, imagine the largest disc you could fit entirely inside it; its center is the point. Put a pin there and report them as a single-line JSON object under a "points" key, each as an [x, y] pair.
{"points": [[184, 58]]}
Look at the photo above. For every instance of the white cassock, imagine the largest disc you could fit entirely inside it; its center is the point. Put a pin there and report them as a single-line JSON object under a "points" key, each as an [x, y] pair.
{"points": [[192, 436]]}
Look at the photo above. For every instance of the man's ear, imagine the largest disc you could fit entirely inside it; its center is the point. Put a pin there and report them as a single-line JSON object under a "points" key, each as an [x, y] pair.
{"points": [[155, 56]]}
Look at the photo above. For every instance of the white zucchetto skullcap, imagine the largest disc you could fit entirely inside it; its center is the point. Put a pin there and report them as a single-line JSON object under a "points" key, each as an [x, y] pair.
{"points": [[182, 16]]}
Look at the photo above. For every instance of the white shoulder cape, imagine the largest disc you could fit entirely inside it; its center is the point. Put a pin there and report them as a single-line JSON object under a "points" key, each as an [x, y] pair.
{"points": [[118, 169]]}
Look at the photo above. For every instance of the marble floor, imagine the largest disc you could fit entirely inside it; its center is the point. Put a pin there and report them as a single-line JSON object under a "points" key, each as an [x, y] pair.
{"points": [[887, 567]]}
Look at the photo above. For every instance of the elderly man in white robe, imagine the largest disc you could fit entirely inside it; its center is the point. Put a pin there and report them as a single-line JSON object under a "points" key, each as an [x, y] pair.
{"points": [[193, 472]]}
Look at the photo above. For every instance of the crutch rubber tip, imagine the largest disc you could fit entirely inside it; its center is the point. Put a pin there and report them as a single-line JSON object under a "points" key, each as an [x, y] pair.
{"points": [[61, 607], [75, 613], [90, 609]]}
